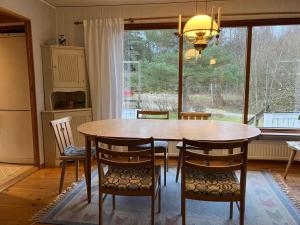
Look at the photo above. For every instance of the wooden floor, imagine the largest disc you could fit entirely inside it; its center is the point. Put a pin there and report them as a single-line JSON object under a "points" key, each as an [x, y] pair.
{"points": [[20, 202], [12, 173]]}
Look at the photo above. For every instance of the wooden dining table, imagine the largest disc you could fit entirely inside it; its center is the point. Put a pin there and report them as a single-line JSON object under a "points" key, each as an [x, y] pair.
{"points": [[167, 130]]}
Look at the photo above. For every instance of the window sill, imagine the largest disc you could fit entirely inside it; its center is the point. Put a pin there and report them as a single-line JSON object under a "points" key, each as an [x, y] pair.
{"points": [[280, 134]]}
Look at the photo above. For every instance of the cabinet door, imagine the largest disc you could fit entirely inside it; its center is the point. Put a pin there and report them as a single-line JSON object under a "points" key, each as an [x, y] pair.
{"points": [[68, 68]]}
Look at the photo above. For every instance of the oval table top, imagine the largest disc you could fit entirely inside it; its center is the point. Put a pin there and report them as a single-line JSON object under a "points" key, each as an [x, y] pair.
{"points": [[170, 130]]}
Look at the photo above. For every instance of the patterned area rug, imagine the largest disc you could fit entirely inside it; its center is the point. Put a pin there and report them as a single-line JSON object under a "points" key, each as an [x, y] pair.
{"points": [[266, 204]]}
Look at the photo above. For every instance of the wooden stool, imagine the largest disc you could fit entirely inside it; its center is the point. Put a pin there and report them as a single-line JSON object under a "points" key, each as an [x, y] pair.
{"points": [[294, 146]]}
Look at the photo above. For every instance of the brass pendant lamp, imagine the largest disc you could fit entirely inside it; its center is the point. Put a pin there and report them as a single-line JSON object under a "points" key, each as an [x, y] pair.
{"points": [[201, 28]]}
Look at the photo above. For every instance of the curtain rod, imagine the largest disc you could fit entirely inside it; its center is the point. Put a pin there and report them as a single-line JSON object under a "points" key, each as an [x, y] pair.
{"points": [[132, 20]]}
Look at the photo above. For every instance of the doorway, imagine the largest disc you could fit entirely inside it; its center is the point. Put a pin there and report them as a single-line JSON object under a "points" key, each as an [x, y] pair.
{"points": [[19, 151]]}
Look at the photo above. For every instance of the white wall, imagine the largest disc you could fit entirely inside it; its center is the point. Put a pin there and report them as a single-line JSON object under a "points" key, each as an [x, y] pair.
{"points": [[43, 22], [74, 33]]}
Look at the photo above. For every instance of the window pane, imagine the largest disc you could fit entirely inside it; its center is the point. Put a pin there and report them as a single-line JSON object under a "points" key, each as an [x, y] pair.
{"points": [[214, 81], [275, 77], [150, 72]]}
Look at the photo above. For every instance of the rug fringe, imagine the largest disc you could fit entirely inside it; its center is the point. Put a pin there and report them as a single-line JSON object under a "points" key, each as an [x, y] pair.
{"points": [[37, 216], [284, 187]]}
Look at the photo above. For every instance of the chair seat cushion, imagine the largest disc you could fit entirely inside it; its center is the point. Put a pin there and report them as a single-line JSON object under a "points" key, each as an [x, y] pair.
{"points": [[294, 145], [216, 184], [129, 179], [77, 151], [160, 146]]}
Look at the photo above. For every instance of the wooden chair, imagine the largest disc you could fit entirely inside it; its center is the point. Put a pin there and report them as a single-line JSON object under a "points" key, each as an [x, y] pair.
{"points": [[146, 114], [161, 147], [214, 183], [195, 115], [117, 179], [295, 147], [68, 150], [189, 116]]}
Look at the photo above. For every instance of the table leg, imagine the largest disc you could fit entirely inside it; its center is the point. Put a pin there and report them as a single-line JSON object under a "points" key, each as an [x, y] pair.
{"points": [[88, 169]]}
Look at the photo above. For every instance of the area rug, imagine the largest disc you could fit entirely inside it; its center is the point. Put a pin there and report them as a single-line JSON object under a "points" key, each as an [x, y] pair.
{"points": [[266, 204]]}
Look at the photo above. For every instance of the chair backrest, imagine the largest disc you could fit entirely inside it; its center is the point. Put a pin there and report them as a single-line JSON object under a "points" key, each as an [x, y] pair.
{"points": [[63, 133], [195, 115], [114, 158], [235, 161], [145, 114]]}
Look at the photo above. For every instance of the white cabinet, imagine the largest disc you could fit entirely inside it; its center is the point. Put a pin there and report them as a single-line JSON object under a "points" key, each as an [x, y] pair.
{"points": [[65, 85], [79, 116], [64, 71]]}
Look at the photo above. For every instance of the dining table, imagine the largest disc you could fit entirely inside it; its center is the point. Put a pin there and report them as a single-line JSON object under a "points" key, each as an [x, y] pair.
{"points": [[166, 130]]}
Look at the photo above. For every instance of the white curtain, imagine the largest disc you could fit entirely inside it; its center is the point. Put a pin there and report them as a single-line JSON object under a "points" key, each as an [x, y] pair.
{"points": [[104, 52]]}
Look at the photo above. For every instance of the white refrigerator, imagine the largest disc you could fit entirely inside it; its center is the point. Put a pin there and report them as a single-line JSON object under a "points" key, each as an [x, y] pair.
{"points": [[16, 140]]}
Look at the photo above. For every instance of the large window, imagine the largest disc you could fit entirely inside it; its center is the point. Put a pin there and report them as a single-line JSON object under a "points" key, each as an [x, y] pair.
{"points": [[214, 81], [150, 72], [275, 77]]}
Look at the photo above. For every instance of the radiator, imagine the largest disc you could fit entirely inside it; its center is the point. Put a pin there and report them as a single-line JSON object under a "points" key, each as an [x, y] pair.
{"points": [[261, 150]]}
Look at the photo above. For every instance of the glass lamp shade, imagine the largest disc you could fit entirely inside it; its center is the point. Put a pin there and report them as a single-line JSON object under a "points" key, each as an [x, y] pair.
{"points": [[191, 53], [200, 25]]}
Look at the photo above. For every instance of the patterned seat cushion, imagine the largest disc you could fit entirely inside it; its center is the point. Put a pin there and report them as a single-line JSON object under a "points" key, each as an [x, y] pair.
{"points": [[160, 146], [217, 184], [77, 151], [129, 179]]}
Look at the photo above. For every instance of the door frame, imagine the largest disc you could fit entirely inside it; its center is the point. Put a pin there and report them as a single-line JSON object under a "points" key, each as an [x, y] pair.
{"points": [[7, 16]]}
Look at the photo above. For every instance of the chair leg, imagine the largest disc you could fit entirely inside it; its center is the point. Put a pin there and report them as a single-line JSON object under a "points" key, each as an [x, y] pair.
{"points": [[114, 202], [242, 211], [159, 195], [231, 210], [183, 210], [85, 171], [178, 165], [292, 156], [168, 159], [165, 168], [100, 208], [63, 171], [76, 169], [152, 208]]}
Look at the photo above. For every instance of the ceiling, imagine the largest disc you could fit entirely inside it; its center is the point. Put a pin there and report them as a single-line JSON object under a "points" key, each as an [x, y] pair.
{"points": [[112, 2]]}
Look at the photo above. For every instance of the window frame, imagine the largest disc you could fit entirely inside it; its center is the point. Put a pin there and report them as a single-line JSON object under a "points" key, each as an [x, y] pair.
{"points": [[249, 24]]}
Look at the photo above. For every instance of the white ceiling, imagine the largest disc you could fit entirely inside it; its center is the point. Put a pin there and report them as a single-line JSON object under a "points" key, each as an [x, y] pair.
{"points": [[112, 2]]}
